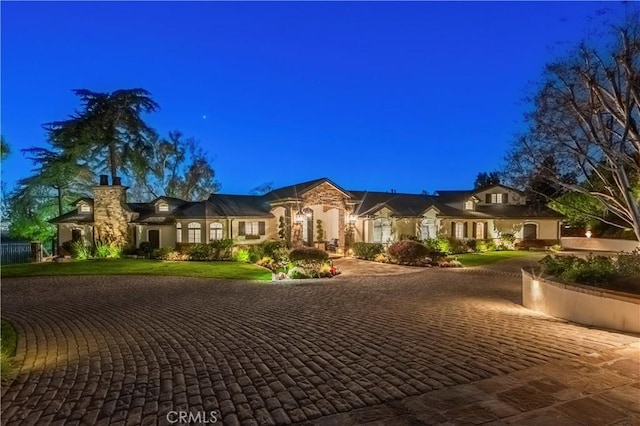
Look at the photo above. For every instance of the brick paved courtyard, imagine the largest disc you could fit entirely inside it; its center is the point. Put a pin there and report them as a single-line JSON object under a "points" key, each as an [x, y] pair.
{"points": [[427, 347]]}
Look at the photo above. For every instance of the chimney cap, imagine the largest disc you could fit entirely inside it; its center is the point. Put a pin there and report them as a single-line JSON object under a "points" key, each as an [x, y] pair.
{"points": [[117, 181], [104, 180]]}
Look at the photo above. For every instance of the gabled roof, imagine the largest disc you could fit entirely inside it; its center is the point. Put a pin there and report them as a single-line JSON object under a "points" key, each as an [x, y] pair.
{"points": [[454, 196], [171, 200], [517, 211], [401, 205], [74, 216], [87, 200], [295, 191], [499, 185]]}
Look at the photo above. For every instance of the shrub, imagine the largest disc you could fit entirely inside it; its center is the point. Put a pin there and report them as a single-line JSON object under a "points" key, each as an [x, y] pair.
{"points": [[556, 265], [165, 253], [594, 270], [274, 249], [325, 271], [198, 252], [408, 252], [367, 251], [457, 246], [220, 249], [145, 249], [628, 264], [408, 237], [297, 273], [79, 250], [485, 245], [269, 263], [308, 255], [507, 240], [242, 255], [107, 250], [382, 258]]}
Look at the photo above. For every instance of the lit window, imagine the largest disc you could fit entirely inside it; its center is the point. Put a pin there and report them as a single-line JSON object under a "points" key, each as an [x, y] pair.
{"points": [[468, 205], [163, 207], [480, 231], [85, 208], [178, 232], [428, 229], [381, 230], [251, 228], [459, 230], [195, 235], [496, 198], [215, 231]]}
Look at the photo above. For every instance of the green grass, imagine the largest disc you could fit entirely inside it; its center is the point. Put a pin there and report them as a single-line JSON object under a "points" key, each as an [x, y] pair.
{"points": [[222, 270], [482, 259], [8, 342]]}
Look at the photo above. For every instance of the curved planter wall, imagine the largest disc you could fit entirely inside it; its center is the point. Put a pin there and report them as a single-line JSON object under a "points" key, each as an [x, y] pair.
{"points": [[581, 304]]}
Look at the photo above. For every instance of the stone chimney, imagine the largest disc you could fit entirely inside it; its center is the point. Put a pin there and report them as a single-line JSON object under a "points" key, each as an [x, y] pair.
{"points": [[110, 212]]}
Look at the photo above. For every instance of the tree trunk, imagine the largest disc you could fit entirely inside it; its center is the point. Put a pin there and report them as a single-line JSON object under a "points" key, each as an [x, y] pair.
{"points": [[627, 193]]}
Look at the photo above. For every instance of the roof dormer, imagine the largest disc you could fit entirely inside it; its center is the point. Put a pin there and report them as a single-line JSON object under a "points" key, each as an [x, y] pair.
{"points": [[470, 203], [84, 205]]}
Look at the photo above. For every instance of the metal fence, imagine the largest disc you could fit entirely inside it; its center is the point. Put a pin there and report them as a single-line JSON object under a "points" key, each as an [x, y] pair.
{"points": [[15, 253]]}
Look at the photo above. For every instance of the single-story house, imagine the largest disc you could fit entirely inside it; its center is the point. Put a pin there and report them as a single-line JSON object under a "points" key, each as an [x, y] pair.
{"points": [[345, 216]]}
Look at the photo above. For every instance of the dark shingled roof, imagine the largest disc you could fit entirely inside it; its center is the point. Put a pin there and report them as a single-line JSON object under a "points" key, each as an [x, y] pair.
{"points": [[73, 217], [519, 211], [294, 191], [403, 205], [454, 196], [223, 205]]}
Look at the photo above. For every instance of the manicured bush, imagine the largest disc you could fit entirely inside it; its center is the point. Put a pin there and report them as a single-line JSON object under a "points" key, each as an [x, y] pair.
{"points": [[325, 271], [297, 273], [198, 252], [145, 249], [485, 245], [274, 249], [167, 253], [628, 264], [596, 270], [269, 263], [534, 244], [457, 246], [408, 252], [381, 258], [367, 251], [308, 255], [220, 249], [556, 265], [242, 255]]}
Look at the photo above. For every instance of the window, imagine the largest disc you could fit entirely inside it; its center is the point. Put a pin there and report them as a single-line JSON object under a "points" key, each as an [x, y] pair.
{"points": [[381, 230], [468, 205], [215, 231], [496, 198], [195, 235], [459, 228], [163, 207], [251, 228], [85, 208], [178, 232], [254, 229], [428, 229], [530, 231], [480, 231]]}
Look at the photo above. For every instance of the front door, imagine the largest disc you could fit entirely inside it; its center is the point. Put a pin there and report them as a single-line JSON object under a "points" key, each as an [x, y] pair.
{"points": [[154, 238]]}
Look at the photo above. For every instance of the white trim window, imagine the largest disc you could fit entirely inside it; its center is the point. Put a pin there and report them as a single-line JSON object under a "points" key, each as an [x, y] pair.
{"points": [[468, 205], [459, 230], [215, 231], [194, 232], [381, 230], [178, 232], [85, 208], [251, 228], [496, 198], [480, 231], [163, 207]]}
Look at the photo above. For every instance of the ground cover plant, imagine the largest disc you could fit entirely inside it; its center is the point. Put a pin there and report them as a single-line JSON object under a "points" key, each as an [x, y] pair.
{"points": [[8, 343]]}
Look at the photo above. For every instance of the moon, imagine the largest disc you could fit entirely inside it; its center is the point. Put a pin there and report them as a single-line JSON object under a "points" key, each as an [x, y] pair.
{"points": [[204, 117]]}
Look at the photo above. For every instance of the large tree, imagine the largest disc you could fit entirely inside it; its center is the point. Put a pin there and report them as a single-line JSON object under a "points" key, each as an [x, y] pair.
{"points": [[175, 167], [585, 117], [108, 130], [485, 180]]}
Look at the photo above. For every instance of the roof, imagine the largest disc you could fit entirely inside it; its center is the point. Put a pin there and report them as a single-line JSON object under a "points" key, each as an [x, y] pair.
{"points": [[452, 196], [87, 200], [294, 191], [73, 217], [223, 205], [403, 205]]}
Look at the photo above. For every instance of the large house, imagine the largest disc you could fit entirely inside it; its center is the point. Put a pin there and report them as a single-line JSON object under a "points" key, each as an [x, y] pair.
{"points": [[345, 216]]}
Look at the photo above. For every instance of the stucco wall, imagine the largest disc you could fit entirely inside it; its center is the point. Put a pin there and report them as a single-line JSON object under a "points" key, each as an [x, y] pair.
{"points": [[598, 244], [588, 306]]}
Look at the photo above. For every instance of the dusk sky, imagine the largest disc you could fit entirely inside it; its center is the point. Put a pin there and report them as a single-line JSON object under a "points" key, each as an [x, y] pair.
{"points": [[412, 96]]}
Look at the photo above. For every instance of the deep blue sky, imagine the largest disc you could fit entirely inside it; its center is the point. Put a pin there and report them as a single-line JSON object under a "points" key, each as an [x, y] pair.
{"points": [[375, 96]]}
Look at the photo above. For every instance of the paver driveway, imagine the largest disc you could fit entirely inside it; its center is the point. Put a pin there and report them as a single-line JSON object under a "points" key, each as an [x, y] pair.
{"points": [[423, 347]]}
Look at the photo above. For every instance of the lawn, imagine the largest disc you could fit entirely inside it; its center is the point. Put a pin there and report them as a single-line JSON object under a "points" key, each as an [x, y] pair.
{"points": [[222, 270], [8, 341], [482, 259]]}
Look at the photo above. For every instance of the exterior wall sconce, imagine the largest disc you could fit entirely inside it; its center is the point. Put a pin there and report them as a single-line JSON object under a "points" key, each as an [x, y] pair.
{"points": [[588, 234], [300, 217], [353, 218]]}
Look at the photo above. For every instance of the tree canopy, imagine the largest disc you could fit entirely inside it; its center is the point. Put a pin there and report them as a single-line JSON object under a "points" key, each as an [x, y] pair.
{"points": [[485, 180], [585, 116]]}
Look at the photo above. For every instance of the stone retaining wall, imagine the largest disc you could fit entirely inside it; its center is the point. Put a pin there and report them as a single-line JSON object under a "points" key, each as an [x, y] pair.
{"points": [[582, 304]]}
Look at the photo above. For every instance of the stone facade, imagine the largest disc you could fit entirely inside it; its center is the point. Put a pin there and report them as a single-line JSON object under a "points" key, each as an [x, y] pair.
{"points": [[111, 216], [329, 197]]}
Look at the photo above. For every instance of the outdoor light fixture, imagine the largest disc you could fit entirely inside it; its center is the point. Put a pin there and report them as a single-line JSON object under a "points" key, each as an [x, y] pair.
{"points": [[353, 218], [300, 217], [588, 234]]}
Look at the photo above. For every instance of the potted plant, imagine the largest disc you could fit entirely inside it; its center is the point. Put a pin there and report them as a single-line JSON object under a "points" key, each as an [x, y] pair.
{"points": [[320, 242]]}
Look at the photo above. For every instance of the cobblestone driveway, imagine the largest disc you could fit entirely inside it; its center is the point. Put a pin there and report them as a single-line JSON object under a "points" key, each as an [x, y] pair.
{"points": [[419, 348]]}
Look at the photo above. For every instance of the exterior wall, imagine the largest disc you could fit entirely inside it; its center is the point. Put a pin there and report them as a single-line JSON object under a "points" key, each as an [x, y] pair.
{"points": [[271, 229], [581, 304], [167, 234], [65, 230], [328, 197], [598, 244]]}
